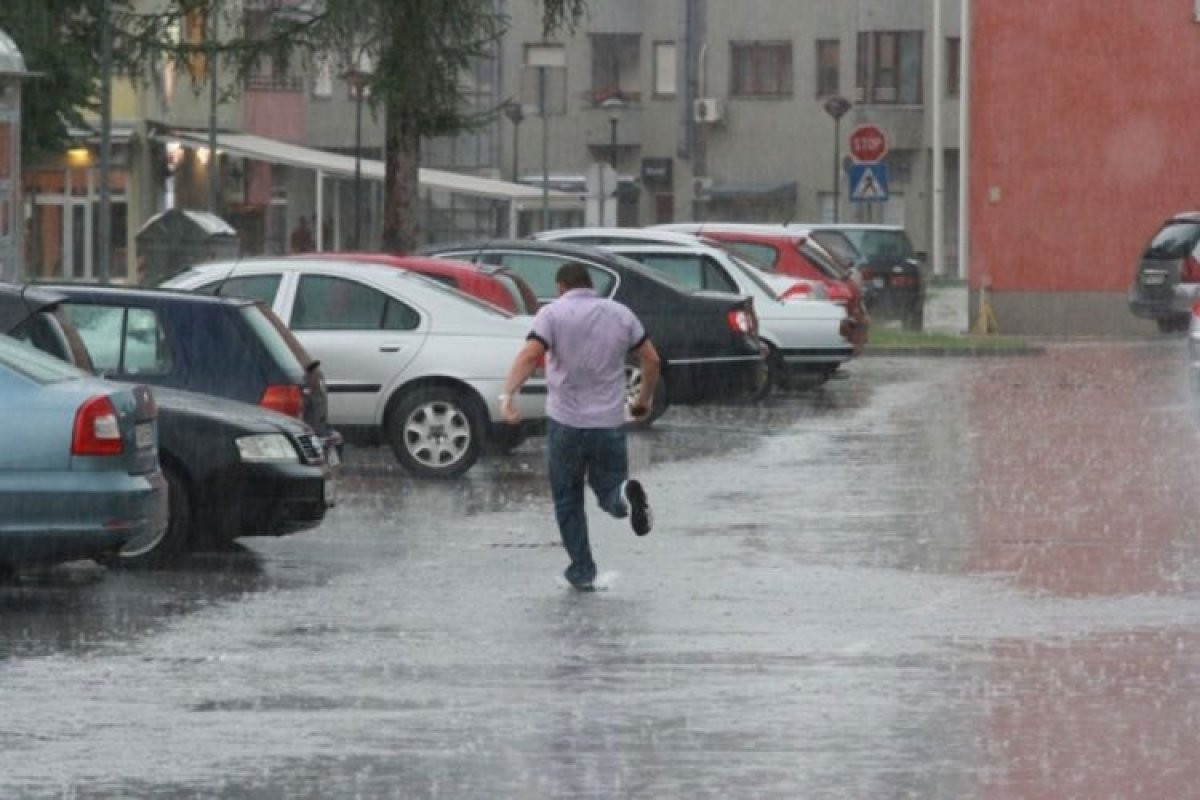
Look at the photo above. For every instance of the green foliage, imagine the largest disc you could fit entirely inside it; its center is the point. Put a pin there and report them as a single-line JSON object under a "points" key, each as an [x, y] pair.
{"points": [[418, 49], [61, 40]]}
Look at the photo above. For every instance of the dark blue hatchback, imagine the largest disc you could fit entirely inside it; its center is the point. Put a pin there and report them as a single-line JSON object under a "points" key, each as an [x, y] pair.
{"points": [[220, 346]]}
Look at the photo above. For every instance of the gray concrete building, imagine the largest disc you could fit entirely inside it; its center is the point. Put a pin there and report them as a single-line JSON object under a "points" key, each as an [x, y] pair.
{"points": [[716, 110]]}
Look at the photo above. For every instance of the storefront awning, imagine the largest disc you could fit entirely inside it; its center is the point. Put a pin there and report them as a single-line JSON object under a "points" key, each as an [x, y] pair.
{"points": [[731, 190], [274, 151]]}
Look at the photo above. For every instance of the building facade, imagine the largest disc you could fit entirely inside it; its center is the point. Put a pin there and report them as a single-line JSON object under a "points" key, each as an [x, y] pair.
{"points": [[711, 110], [1077, 154], [676, 110]]}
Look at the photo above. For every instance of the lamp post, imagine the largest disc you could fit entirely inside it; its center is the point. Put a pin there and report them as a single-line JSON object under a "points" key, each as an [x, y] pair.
{"points": [[357, 79], [614, 106], [837, 107], [516, 115]]}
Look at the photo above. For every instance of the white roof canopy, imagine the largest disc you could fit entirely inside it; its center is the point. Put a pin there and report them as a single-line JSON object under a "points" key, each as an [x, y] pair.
{"points": [[273, 151]]}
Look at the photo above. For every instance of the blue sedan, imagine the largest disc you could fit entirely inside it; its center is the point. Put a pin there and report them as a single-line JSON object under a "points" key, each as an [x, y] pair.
{"points": [[79, 471]]}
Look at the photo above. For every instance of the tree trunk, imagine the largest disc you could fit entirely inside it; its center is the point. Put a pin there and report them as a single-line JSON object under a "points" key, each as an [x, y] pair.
{"points": [[401, 187]]}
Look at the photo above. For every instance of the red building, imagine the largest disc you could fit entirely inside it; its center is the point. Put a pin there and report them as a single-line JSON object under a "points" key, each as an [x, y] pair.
{"points": [[1080, 144]]}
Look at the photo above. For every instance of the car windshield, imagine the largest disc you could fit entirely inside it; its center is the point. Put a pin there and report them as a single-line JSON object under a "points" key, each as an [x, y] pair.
{"points": [[285, 348], [25, 359], [652, 274], [754, 274], [514, 290], [436, 285], [822, 261], [1175, 240], [881, 244]]}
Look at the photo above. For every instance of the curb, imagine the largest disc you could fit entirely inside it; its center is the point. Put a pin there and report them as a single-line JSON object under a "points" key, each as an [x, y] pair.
{"points": [[954, 352]]}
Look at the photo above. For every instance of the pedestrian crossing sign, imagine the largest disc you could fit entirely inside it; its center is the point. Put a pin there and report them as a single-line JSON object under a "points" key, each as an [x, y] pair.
{"points": [[868, 183]]}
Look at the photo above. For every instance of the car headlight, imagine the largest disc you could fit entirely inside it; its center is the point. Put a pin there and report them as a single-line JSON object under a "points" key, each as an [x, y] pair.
{"points": [[267, 447]]}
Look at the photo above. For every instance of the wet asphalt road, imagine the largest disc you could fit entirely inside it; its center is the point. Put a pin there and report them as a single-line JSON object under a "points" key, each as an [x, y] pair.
{"points": [[940, 578]]}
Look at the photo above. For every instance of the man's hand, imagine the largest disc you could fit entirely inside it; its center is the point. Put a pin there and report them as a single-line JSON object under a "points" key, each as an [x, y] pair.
{"points": [[508, 410], [639, 410]]}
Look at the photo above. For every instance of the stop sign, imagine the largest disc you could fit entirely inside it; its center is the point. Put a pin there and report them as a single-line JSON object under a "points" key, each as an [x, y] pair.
{"points": [[868, 143]]}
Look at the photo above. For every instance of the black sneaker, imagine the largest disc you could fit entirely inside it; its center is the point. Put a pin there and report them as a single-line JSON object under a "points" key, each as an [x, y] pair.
{"points": [[640, 517]]}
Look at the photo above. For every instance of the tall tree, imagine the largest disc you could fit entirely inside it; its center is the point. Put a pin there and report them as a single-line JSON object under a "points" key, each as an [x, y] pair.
{"points": [[59, 40], [420, 49]]}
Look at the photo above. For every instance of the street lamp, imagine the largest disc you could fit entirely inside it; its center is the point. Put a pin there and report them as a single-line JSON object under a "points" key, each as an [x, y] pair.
{"points": [[357, 80], [837, 107], [614, 106], [516, 114]]}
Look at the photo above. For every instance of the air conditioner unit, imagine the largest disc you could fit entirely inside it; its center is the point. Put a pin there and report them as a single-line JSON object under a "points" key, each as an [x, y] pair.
{"points": [[707, 109]]}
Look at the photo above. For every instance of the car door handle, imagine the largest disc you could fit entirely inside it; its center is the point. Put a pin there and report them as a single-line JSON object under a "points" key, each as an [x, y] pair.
{"points": [[391, 347]]}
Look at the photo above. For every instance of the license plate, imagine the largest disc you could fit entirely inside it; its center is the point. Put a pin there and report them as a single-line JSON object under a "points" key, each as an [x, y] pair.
{"points": [[1153, 278], [143, 435]]}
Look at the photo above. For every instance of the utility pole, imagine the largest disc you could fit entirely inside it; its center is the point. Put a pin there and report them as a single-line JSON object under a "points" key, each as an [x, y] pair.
{"points": [[214, 167], [105, 210]]}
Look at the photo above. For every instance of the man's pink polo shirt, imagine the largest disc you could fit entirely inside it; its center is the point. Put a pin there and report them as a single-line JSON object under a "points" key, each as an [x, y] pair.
{"points": [[588, 339]]}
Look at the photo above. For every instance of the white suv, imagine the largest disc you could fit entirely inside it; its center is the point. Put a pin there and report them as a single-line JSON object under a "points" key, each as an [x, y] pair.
{"points": [[403, 355]]}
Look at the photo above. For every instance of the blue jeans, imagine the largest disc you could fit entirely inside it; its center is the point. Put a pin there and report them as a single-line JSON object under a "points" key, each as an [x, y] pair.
{"points": [[597, 455]]}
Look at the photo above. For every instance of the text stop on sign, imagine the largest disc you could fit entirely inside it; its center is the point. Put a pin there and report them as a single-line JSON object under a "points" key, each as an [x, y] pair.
{"points": [[868, 143]]}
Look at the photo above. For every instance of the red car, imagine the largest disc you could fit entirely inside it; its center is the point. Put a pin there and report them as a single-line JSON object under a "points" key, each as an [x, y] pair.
{"points": [[497, 285]]}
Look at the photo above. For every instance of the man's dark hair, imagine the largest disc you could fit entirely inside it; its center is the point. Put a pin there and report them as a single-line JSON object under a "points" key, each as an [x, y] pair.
{"points": [[573, 275]]}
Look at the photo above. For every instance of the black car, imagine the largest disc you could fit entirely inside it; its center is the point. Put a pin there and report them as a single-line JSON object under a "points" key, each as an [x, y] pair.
{"points": [[892, 277], [708, 340], [1167, 281], [225, 347], [232, 469]]}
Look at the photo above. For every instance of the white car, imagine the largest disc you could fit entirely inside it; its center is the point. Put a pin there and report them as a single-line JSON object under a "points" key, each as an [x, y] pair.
{"points": [[788, 287], [403, 355], [806, 339]]}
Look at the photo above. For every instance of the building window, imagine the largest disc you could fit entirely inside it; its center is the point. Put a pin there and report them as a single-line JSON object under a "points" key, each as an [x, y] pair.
{"points": [[890, 67], [829, 56], [953, 66], [664, 69], [545, 55], [270, 73], [616, 66], [762, 69]]}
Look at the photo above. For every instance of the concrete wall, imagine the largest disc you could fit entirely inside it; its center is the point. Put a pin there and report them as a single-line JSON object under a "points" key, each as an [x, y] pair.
{"points": [[1094, 314]]}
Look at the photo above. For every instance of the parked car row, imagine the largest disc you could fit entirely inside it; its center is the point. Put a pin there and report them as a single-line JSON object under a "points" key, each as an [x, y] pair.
{"points": [[407, 359], [222, 397], [806, 338], [227, 468], [872, 267]]}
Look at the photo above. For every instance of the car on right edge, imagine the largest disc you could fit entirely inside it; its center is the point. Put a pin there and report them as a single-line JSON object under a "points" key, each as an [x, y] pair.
{"points": [[1167, 282]]}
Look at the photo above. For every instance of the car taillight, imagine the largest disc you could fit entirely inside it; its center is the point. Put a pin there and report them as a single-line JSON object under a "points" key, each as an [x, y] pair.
{"points": [[742, 320], [285, 398], [97, 431], [1189, 272]]}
